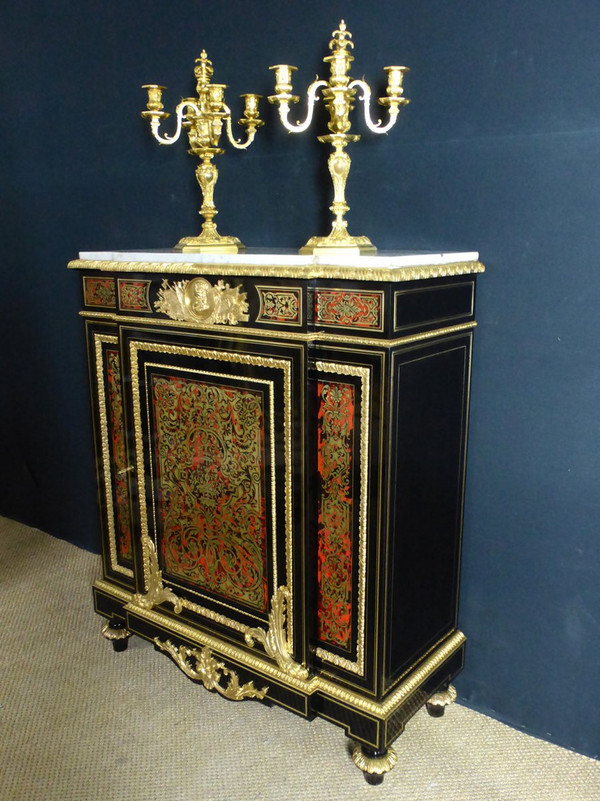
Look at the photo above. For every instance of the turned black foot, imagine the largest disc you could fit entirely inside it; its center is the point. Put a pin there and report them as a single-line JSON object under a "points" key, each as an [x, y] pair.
{"points": [[374, 764], [117, 634], [436, 706]]}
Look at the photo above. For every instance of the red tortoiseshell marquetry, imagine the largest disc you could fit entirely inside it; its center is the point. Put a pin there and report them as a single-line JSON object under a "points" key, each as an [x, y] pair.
{"points": [[99, 292], [335, 507], [117, 454], [210, 465], [349, 309]]}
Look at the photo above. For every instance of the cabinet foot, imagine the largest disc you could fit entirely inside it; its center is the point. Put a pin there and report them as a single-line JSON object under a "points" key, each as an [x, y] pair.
{"points": [[117, 634], [436, 706], [374, 764]]}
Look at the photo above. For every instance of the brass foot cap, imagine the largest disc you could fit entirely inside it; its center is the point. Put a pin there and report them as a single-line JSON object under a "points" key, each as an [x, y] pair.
{"points": [[374, 765]]}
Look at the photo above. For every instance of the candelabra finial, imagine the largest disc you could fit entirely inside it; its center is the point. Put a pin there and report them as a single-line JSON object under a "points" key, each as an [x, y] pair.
{"points": [[339, 95], [203, 118]]}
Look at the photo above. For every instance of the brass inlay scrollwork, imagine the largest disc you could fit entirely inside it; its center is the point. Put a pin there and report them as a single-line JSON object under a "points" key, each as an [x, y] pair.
{"points": [[364, 374], [274, 639], [156, 592], [209, 671], [198, 301]]}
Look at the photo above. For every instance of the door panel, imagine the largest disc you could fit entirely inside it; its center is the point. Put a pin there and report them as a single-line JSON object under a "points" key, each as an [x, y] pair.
{"points": [[219, 468]]}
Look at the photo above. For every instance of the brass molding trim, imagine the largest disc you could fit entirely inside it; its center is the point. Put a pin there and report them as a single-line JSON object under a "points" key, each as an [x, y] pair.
{"points": [[274, 639], [206, 669], [374, 765], [110, 589], [395, 275], [312, 684], [135, 347], [99, 341], [323, 336], [364, 373]]}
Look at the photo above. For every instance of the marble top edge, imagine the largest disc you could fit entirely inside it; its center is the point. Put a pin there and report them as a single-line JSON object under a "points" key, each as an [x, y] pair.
{"points": [[383, 259]]}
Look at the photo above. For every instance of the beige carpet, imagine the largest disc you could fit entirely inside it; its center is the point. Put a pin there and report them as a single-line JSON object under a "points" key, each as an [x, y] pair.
{"points": [[79, 722]]}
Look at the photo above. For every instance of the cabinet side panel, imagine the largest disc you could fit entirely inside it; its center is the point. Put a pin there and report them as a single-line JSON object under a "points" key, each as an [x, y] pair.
{"points": [[428, 459], [109, 432]]}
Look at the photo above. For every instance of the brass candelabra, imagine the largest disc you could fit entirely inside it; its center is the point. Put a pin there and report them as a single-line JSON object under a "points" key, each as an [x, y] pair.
{"points": [[339, 94], [203, 117]]}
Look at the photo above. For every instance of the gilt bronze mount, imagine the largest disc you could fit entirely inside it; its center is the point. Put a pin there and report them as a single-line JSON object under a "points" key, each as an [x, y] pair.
{"points": [[203, 118], [339, 94]]}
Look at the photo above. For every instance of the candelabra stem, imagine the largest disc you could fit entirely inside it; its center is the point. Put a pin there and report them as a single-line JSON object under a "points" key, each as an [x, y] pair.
{"points": [[339, 168], [339, 240], [209, 240]]}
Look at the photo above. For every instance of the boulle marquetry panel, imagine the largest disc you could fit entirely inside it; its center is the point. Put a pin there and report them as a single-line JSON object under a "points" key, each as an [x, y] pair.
{"points": [[281, 455]]}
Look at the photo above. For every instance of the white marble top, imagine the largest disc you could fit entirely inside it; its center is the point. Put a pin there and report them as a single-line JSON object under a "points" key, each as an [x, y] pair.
{"points": [[389, 260]]}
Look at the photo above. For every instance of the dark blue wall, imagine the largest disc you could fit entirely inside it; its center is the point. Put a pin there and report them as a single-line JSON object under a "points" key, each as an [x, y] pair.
{"points": [[499, 151]]}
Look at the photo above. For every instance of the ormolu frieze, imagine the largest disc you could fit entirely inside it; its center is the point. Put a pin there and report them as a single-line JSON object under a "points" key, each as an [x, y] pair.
{"points": [[198, 301], [199, 664]]}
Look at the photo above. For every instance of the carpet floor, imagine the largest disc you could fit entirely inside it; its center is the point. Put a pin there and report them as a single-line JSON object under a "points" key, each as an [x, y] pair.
{"points": [[79, 722]]}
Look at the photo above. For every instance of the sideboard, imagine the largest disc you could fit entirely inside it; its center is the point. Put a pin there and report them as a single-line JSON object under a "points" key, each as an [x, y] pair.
{"points": [[281, 448]]}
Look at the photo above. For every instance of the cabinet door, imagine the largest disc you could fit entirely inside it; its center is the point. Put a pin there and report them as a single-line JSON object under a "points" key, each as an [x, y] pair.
{"points": [[111, 459], [218, 448]]}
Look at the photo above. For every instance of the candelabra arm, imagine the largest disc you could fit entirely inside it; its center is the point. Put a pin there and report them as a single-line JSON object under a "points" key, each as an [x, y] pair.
{"points": [[284, 109], [236, 142], [365, 98], [180, 112]]}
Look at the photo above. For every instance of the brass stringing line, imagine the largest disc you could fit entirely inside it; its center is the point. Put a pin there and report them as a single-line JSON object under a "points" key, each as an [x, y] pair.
{"points": [[240, 358], [317, 683], [364, 373], [99, 339], [312, 337], [270, 385], [395, 275]]}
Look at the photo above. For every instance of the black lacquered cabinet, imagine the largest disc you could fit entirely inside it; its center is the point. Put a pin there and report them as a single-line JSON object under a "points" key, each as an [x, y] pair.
{"points": [[281, 449]]}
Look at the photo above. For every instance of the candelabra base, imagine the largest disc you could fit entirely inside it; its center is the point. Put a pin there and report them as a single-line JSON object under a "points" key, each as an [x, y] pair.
{"points": [[335, 245], [216, 244]]}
